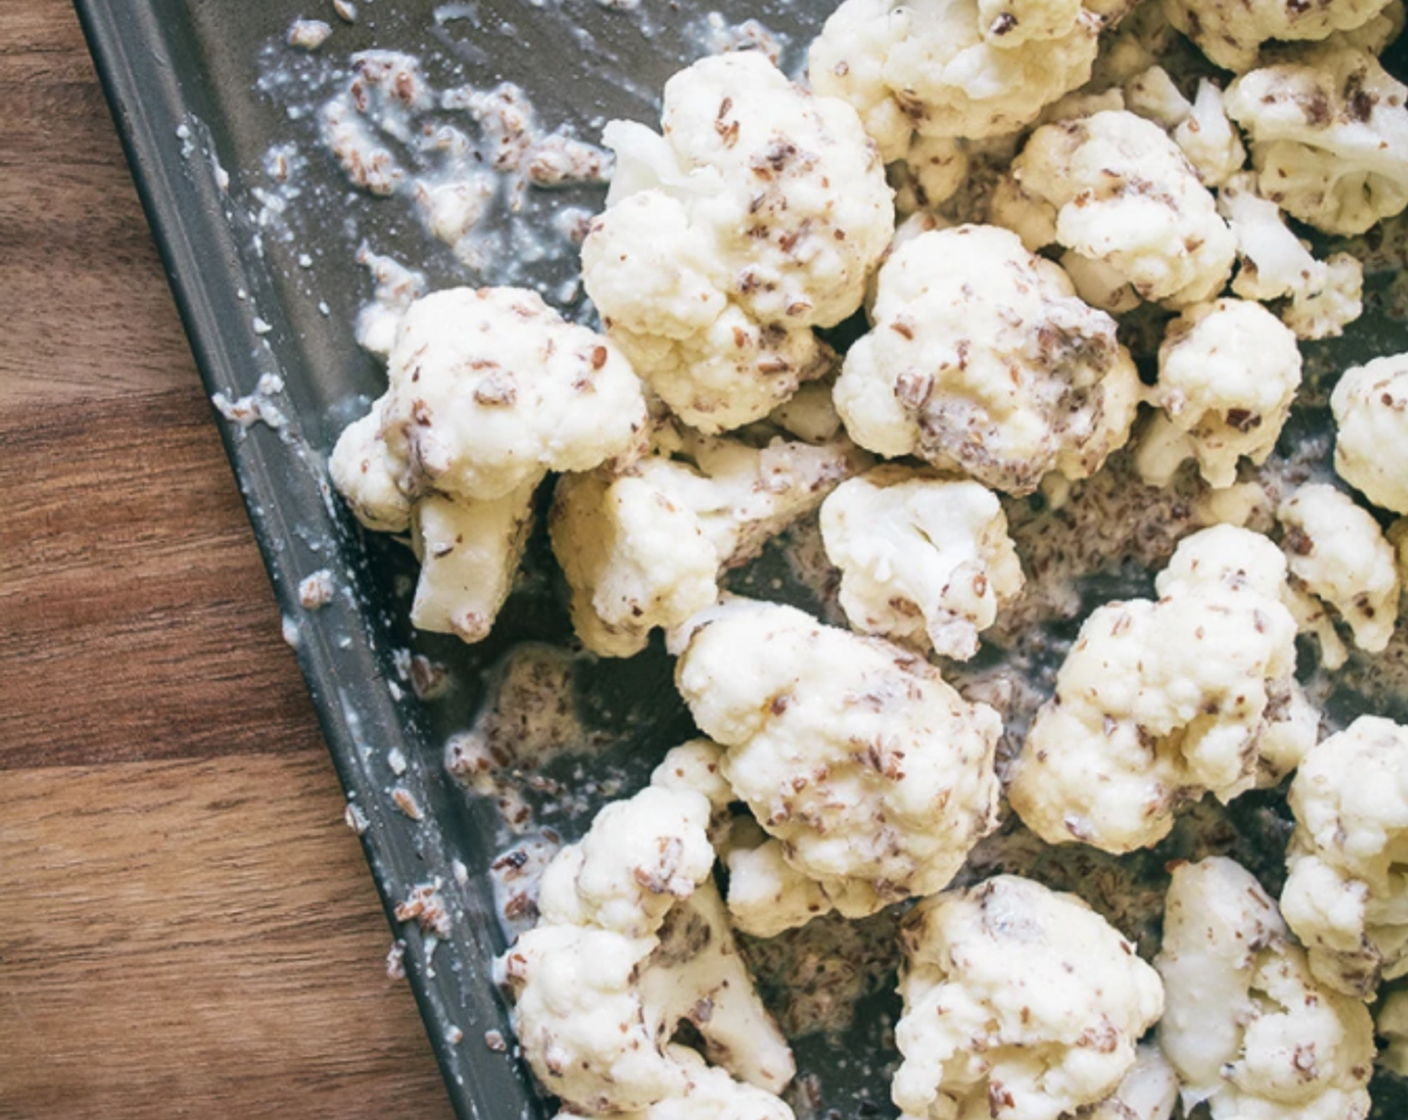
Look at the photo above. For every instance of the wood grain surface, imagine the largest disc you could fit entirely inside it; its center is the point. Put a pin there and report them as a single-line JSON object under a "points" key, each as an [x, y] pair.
{"points": [[187, 927]]}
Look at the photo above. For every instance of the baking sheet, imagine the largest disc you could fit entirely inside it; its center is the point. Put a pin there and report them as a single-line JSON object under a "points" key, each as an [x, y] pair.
{"points": [[268, 287]]}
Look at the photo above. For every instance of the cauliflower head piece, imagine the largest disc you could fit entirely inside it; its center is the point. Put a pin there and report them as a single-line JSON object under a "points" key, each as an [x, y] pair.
{"points": [[711, 1095], [923, 560], [757, 215], [983, 360], [1345, 892], [1247, 1026], [1114, 188], [633, 940], [489, 389], [1321, 297], [1228, 373], [1231, 35], [970, 68], [1338, 553], [469, 553], [875, 775], [1329, 137], [644, 547], [1161, 701], [1018, 1001], [1149, 1091], [1370, 404], [1200, 127]]}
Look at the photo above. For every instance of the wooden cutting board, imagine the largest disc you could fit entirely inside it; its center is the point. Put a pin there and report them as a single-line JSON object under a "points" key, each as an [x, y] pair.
{"points": [[186, 925]]}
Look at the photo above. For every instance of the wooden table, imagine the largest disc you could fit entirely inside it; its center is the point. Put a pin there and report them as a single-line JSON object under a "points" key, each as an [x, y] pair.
{"points": [[186, 925]]}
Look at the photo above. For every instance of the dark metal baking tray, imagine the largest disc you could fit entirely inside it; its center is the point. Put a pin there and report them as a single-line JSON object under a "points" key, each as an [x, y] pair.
{"points": [[196, 93]]}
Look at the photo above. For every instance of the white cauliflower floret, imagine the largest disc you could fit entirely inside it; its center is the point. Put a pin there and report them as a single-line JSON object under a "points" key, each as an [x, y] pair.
{"points": [[366, 475], [638, 859], [1100, 284], [1159, 702], [810, 414], [1329, 137], [1324, 296], [766, 894], [711, 1095], [697, 974], [758, 215], [1228, 372], [873, 772], [933, 170], [971, 68], [1346, 890], [645, 548], [490, 389], [469, 553], [982, 359], [695, 765], [1245, 1023], [923, 559], [1370, 404], [580, 1022], [1231, 35], [1149, 1090], [633, 939], [1339, 554], [1018, 1002], [1199, 127], [1115, 188]]}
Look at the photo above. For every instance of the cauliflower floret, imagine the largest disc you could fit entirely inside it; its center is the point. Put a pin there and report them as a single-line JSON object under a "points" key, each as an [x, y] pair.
{"points": [[1339, 553], [1245, 1024], [766, 894], [695, 765], [1159, 702], [711, 1095], [1115, 188], [580, 1022], [645, 548], [970, 68], [757, 216], [933, 170], [366, 475], [1370, 404], [697, 974], [1329, 137], [922, 559], [1231, 35], [633, 939], [489, 389], [1199, 127], [1018, 1001], [874, 773], [1149, 1090], [1346, 889], [469, 554], [982, 359], [1324, 296], [1228, 372], [637, 860]]}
